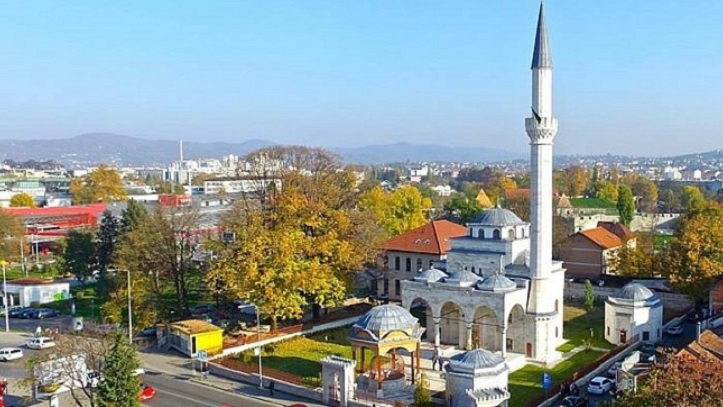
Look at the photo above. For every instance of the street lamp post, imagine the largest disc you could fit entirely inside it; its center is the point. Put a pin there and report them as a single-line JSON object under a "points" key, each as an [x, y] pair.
{"points": [[130, 311], [5, 297], [258, 341]]}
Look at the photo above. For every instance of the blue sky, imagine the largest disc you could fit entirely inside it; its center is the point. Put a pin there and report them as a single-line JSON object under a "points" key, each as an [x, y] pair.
{"points": [[635, 77]]}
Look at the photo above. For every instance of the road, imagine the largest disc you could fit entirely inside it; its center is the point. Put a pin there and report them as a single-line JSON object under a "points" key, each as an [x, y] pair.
{"points": [[179, 391]]}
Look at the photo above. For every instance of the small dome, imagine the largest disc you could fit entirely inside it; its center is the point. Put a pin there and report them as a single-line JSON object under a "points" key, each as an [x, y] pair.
{"points": [[497, 217], [430, 275], [476, 359], [463, 278], [635, 292], [385, 318], [497, 282]]}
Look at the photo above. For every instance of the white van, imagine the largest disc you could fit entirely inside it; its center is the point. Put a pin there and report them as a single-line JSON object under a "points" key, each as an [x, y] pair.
{"points": [[10, 354], [42, 342]]}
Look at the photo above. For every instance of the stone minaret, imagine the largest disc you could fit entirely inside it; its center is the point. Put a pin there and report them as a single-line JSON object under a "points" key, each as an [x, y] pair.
{"points": [[546, 277]]}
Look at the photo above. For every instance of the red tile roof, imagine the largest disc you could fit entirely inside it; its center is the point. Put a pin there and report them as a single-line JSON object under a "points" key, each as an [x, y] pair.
{"points": [[618, 229], [31, 281], [431, 238], [708, 349], [602, 237]]}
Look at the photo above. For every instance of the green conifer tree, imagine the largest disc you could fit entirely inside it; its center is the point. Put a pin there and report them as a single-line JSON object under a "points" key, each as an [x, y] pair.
{"points": [[626, 204], [119, 387]]}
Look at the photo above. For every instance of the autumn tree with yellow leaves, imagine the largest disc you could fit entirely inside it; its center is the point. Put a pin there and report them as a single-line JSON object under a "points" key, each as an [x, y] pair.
{"points": [[397, 211], [104, 184], [298, 245], [22, 200]]}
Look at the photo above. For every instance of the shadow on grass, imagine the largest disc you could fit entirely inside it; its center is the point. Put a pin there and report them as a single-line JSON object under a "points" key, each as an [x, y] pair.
{"points": [[577, 326]]}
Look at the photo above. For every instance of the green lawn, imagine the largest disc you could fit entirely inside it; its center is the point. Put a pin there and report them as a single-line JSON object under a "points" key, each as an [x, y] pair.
{"points": [[301, 355], [526, 383], [591, 203], [577, 326], [86, 303], [662, 240]]}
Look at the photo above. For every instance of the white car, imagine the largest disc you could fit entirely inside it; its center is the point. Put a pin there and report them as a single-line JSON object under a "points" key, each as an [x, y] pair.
{"points": [[7, 354], [674, 330], [42, 342], [599, 385]]}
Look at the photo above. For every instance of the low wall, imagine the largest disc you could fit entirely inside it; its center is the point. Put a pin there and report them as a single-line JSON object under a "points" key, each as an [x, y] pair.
{"points": [[300, 391], [670, 300]]}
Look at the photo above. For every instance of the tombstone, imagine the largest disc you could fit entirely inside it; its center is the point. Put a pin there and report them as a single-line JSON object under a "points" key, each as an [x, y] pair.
{"points": [[337, 373]]}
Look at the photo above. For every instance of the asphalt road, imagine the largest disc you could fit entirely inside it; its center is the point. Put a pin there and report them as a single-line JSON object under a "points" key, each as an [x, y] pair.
{"points": [[179, 391]]}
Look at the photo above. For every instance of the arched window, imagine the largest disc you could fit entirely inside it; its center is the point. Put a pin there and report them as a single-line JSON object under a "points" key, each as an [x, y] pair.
{"points": [[409, 264], [481, 233], [511, 234], [419, 264], [557, 306], [496, 234], [473, 269]]}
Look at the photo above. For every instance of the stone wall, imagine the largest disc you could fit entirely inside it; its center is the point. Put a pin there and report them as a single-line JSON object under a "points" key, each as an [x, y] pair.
{"points": [[673, 301]]}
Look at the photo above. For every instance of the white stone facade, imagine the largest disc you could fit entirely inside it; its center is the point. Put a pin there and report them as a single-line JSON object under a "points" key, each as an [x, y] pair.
{"points": [[633, 313]]}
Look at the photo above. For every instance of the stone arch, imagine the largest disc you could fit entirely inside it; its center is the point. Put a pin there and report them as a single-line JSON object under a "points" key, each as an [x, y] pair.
{"points": [[496, 234], [485, 329], [511, 235], [480, 233], [422, 310], [452, 328], [522, 258], [516, 329]]}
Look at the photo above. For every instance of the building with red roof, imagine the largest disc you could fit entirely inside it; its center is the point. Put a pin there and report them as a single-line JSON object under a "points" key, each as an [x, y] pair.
{"points": [[414, 250], [589, 253]]}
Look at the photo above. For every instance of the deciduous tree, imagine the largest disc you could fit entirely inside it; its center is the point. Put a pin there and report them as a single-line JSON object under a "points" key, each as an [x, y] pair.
{"points": [[22, 200], [692, 198], [398, 211], [606, 190], [133, 215], [626, 204], [104, 184], [461, 209], [11, 231], [80, 253], [648, 193], [575, 180]]}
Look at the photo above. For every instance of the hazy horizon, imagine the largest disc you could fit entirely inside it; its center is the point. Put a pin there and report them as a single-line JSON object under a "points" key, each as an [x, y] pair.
{"points": [[636, 79]]}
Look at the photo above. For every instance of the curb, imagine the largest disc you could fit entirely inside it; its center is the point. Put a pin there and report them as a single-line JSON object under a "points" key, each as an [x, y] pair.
{"points": [[232, 390]]}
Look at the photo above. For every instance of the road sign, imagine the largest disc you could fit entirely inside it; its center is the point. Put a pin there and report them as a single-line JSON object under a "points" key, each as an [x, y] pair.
{"points": [[202, 355], [546, 381]]}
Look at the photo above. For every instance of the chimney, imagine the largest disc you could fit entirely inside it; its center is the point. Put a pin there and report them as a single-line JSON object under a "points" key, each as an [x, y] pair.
{"points": [[180, 147], [697, 331]]}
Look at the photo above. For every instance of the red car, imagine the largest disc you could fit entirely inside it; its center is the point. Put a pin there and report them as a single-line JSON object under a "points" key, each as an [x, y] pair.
{"points": [[147, 392]]}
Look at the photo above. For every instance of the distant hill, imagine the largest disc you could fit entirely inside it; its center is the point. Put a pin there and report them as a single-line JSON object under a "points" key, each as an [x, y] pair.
{"points": [[94, 148]]}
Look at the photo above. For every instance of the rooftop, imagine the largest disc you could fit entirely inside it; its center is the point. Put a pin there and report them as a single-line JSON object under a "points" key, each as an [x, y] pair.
{"points": [[385, 318], [431, 238], [194, 326], [602, 237], [497, 217], [34, 281]]}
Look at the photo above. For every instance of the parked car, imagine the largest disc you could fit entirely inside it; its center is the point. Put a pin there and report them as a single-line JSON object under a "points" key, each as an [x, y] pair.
{"points": [[599, 385], [42, 313], [149, 332], [28, 313], [648, 348], [17, 312], [10, 309], [574, 401], [202, 310], [674, 330], [10, 354], [613, 371], [41, 342]]}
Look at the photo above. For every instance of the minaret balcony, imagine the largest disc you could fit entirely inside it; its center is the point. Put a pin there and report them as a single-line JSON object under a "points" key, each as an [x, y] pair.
{"points": [[541, 131]]}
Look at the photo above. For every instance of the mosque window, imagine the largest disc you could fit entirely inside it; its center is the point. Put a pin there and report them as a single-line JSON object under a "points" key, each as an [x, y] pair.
{"points": [[512, 234], [496, 234], [481, 233], [397, 287], [608, 334], [473, 269], [409, 264], [419, 264], [397, 263], [557, 306]]}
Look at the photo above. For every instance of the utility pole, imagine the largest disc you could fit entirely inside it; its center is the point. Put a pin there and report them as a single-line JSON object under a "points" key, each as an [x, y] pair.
{"points": [[258, 341], [5, 297], [130, 312]]}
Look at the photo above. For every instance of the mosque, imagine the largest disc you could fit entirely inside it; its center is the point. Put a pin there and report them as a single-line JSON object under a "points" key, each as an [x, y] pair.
{"points": [[501, 290]]}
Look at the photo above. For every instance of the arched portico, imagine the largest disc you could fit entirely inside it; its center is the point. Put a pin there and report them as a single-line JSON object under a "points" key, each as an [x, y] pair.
{"points": [[422, 310], [485, 333], [515, 333], [452, 326]]}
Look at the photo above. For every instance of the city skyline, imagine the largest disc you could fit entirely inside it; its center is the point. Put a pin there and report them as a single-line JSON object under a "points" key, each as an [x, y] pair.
{"points": [[636, 78]]}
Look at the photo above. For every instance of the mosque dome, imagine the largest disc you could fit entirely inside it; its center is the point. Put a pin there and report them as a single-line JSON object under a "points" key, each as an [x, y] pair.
{"points": [[477, 361], [635, 293], [430, 276], [496, 282], [386, 318], [463, 278], [498, 217]]}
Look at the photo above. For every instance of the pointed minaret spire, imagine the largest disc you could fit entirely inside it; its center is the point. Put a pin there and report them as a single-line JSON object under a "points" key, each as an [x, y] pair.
{"points": [[541, 55]]}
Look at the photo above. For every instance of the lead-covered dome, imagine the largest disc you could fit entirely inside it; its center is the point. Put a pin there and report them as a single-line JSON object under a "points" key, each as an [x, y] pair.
{"points": [[497, 217], [635, 293], [430, 276], [497, 283], [463, 278], [385, 318], [477, 361]]}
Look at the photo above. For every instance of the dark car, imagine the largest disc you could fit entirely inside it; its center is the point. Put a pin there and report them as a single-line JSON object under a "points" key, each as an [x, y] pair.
{"points": [[573, 401], [202, 310], [46, 313], [17, 312], [28, 313]]}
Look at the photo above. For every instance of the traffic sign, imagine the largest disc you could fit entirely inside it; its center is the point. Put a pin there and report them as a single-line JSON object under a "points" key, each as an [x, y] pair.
{"points": [[202, 355], [546, 381]]}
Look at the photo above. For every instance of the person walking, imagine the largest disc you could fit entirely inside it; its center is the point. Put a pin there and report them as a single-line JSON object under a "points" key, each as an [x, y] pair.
{"points": [[271, 387]]}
